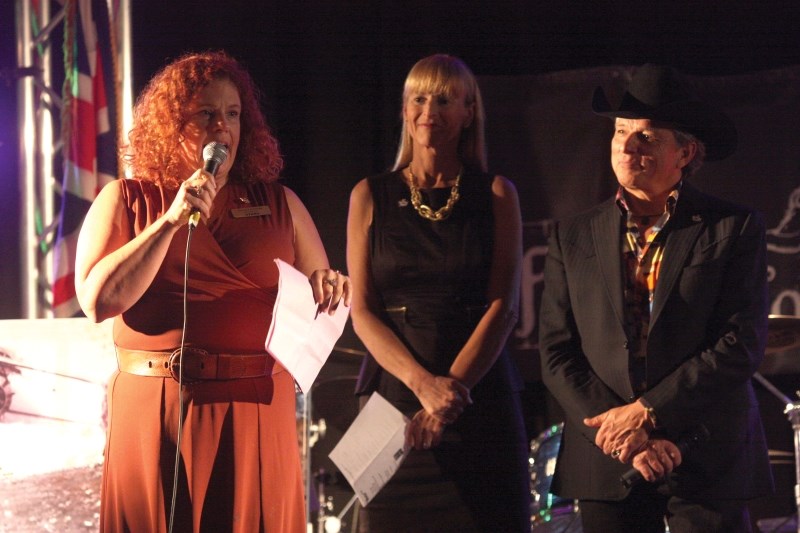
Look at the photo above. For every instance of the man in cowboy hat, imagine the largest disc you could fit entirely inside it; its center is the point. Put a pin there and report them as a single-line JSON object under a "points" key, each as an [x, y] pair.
{"points": [[653, 320]]}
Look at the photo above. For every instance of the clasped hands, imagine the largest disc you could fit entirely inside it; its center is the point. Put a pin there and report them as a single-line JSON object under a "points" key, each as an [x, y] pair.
{"points": [[443, 400], [624, 434]]}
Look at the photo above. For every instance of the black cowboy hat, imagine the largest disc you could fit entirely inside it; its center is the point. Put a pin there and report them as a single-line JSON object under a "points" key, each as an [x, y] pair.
{"points": [[658, 94]]}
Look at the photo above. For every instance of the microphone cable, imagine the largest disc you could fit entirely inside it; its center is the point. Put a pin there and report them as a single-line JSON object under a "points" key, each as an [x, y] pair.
{"points": [[214, 154], [180, 380]]}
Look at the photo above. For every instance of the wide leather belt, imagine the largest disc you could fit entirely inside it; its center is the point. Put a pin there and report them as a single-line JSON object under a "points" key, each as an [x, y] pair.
{"points": [[198, 364]]}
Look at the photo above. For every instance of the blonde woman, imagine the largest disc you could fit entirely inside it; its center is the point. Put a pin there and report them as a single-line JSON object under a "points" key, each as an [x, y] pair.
{"points": [[434, 251]]}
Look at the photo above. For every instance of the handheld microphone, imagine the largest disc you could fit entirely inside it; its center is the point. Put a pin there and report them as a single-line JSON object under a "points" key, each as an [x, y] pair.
{"points": [[214, 154], [685, 444]]}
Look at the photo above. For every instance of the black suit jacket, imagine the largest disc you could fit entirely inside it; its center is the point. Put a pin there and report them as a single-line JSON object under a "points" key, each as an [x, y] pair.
{"points": [[707, 336]]}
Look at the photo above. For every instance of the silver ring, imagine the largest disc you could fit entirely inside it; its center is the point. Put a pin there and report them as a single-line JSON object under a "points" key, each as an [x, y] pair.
{"points": [[615, 453], [333, 282]]}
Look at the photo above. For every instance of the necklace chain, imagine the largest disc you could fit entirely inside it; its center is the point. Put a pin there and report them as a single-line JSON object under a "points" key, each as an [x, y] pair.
{"points": [[424, 210]]}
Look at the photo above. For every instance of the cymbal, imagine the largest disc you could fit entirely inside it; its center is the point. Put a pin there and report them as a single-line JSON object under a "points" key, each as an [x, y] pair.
{"points": [[780, 457], [350, 351], [334, 400], [780, 453], [783, 333]]}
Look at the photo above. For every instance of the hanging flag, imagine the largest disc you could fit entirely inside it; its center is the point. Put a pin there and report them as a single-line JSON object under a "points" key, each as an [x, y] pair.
{"points": [[89, 132]]}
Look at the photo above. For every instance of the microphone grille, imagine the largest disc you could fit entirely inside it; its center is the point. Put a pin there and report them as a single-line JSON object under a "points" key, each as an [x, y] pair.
{"points": [[215, 151]]}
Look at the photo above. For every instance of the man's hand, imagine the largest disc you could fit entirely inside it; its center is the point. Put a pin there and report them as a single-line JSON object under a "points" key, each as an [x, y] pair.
{"points": [[623, 430], [657, 459]]}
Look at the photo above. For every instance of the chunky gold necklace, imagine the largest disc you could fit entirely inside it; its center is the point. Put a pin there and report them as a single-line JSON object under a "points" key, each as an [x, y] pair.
{"points": [[424, 210]]}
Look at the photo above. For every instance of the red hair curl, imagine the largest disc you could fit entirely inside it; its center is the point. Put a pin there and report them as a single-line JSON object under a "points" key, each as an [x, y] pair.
{"points": [[160, 115]]}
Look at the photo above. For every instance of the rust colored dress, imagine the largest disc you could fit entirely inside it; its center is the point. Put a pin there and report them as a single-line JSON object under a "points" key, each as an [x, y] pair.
{"points": [[239, 460]]}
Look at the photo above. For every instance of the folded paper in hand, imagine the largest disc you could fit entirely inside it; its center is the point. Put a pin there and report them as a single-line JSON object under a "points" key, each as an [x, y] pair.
{"points": [[372, 448], [300, 337]]}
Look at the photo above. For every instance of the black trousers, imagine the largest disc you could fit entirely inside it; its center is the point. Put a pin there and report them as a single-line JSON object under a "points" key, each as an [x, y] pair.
{"points": [[647, 511]]}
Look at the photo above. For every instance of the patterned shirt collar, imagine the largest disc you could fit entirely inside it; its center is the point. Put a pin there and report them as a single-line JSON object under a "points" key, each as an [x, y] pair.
{"points": [[672, 200]]}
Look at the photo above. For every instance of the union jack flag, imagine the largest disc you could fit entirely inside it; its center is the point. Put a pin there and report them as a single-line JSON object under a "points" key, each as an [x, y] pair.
{"points": [[89, 131]]}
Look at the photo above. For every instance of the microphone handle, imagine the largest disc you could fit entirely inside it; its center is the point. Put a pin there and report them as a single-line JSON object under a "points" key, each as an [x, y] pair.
{"points": [[211, 167], [194, 217], [633, 477]]}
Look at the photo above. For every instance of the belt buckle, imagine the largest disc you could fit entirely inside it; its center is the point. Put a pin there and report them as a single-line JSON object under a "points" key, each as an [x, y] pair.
{"points": [[174, 365]]}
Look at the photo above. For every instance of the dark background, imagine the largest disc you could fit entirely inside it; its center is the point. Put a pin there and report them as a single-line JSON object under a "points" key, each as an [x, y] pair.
{"points": [[332, 71]]}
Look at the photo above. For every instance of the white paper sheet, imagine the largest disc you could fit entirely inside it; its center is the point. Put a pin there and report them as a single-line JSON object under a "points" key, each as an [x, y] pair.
{"points": [[299, 337], [372, 448]]}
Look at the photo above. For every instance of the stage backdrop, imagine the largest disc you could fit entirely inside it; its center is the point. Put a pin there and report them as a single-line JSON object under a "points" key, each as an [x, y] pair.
{"points": [[542, 134]]}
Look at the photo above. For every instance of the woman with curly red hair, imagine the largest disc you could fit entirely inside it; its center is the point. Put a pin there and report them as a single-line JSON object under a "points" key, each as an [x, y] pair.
{"points": [[201, 438]]}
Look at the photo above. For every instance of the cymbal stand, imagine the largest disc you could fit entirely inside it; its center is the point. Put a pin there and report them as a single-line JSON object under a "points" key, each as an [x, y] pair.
{"points": [[325, 505], [792, 412], [327, 520], [333, 524], [312, 432]]}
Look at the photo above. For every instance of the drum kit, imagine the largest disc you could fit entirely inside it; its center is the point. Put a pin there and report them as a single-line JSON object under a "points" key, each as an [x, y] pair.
{"points": [[549, 513], [783, 334]]}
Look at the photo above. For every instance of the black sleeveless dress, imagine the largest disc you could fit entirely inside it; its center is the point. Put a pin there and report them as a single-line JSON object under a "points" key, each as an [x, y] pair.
{"points": [[432, 278]]}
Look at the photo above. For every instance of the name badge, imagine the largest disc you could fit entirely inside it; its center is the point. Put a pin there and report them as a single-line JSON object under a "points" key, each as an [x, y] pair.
{"points": [[255, 211]]}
